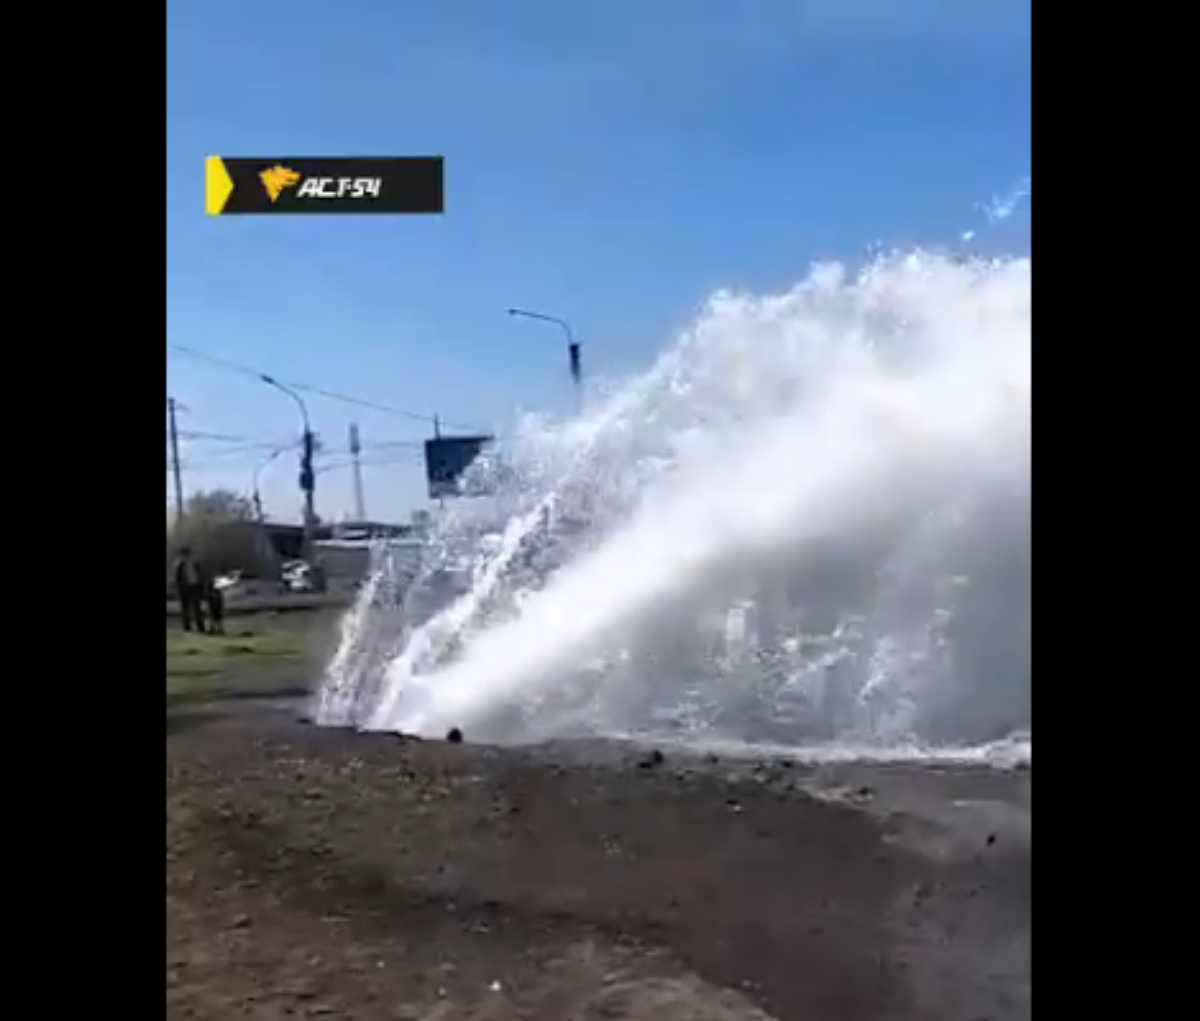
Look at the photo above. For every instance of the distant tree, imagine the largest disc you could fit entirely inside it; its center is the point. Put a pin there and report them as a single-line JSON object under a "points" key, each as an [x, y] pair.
{"points": [[220, 505], [220, 528]]}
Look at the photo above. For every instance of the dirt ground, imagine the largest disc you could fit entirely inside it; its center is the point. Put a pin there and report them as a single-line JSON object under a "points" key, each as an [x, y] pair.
{"points": [[315, 873]]}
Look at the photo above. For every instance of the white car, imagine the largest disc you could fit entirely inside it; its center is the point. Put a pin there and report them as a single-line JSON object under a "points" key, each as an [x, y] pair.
{"points": [[297, 577]]}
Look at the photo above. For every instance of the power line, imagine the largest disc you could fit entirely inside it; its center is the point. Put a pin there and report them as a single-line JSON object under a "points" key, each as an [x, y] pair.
{"points": [[232, 456], [229, 441], [193, 434], [381, 460], [332, 395], [267, 441], [213, 451], [231, 447]]}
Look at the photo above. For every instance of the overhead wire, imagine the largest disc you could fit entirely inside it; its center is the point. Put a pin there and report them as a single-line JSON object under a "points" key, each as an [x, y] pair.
{"points": [[245, 370], [379, 454]]}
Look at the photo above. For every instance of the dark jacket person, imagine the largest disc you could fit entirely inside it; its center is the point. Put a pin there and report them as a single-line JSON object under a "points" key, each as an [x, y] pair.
{"points": [[189, 586]]}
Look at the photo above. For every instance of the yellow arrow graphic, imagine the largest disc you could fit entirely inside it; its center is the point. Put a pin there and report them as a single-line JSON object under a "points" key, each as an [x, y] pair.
{"points": [[218, 185]]}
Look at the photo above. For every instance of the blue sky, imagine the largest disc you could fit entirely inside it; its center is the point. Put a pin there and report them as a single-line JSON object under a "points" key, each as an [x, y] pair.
{"points": [[612, 163]]}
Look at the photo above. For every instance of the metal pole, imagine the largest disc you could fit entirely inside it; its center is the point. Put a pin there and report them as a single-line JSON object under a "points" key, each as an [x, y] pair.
{"points": [[176, 468], [437, 435], [360, 500], [574, 349], [258, 470], [260, 517]]}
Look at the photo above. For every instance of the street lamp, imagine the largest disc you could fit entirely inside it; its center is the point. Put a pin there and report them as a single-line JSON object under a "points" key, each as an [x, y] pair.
{"points": [[308, 478], [574, 350], [263, 538], [258, 470]]}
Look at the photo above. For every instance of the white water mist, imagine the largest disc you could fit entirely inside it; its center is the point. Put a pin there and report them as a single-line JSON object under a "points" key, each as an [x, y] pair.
{"points": [[808, 523]]}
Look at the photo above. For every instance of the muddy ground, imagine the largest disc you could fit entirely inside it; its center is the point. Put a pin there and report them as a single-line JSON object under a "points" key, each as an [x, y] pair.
{"points": [[318, 873]]}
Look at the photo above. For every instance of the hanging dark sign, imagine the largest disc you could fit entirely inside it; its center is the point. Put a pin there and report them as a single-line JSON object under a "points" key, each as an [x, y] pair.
{"points": [[447, 459]]}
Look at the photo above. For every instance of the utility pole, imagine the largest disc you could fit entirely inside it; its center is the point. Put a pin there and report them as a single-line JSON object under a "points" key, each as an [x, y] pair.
{"points": [[176, 468], [308, 484], [308, 475], [437, 435], [360, 503]]}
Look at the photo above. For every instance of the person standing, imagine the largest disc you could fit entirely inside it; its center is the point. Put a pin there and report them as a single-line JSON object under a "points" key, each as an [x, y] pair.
{"points": [[189, 586], [214, 604]]}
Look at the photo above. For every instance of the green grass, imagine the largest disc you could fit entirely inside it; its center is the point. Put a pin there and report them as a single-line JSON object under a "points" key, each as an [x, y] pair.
{"points": [[258, 656]]}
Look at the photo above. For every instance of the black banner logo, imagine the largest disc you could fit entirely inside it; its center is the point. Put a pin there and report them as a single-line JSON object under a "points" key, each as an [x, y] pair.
{"points": [[343, 185]]}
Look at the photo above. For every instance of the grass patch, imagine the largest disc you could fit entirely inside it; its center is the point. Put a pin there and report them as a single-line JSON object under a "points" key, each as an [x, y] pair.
{"points": [[261, 656]]}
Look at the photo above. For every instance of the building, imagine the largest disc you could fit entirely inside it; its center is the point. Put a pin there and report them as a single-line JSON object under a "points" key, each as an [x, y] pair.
{"points": [[343, 551]]}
